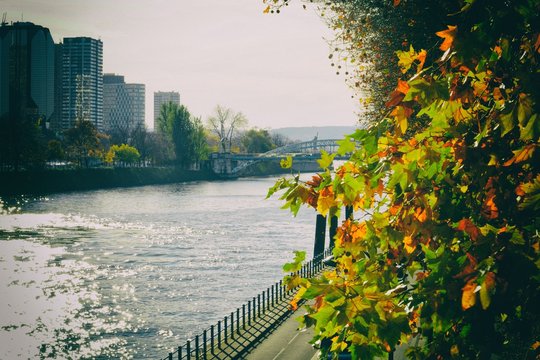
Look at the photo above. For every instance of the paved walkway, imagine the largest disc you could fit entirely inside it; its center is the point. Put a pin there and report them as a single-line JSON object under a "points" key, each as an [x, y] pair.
{"points": [[286, 342]]}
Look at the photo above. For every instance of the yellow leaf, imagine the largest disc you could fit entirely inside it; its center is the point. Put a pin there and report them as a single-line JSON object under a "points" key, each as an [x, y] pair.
{"points": [[468, 296], [267, 10], [448, 36], [409, 244], [326, 200]]}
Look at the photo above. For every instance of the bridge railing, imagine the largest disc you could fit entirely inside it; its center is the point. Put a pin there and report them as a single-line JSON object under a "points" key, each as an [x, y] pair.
{"points": [[212, 339]]}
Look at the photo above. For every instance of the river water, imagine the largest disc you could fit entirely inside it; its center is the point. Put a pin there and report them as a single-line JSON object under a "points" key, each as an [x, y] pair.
{"points": [[132, 273]]}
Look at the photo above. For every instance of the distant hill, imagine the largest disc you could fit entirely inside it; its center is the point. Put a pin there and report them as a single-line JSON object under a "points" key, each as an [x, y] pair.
{"points": [[308, 133]]}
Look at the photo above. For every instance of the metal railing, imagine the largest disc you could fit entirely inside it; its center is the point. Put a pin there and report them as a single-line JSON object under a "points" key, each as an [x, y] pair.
{"points": [[213, 339]]}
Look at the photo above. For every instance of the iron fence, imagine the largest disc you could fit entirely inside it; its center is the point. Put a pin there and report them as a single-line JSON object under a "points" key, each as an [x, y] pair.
{"points": [[211, 340]]}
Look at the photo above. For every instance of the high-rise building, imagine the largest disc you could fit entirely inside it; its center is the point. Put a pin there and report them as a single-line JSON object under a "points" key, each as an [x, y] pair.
{"points": [[26, 72], [123, 104], [82, 81], [162, 97]]}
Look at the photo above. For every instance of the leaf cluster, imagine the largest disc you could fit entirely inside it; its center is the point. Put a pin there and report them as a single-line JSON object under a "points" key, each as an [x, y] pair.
{"points": [[443, 253]]}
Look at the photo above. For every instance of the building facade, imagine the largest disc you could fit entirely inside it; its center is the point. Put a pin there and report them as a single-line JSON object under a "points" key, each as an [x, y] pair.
{"points": [[27, 57], [82, 81], [123, 105], [163, 97]]}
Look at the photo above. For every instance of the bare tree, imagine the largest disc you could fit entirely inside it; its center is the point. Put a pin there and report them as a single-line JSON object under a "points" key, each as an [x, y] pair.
{"points": [[223, 124]]}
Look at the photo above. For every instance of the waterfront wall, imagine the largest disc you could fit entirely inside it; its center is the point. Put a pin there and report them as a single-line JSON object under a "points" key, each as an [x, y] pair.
{"points": [[51, 181]]}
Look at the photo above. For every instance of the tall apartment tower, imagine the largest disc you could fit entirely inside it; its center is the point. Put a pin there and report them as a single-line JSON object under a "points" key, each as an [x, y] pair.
{"points": [[26, 72], [123, 104], [82, 81], [162, 97]]}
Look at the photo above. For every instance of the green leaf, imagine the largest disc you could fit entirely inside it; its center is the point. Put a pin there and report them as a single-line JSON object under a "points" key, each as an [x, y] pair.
{"points": [[296, 265], [507, 121], [531, 130], [346, 146], [326, 159]]}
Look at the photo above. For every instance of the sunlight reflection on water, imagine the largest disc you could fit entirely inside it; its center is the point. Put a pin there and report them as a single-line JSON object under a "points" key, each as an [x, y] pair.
{"points": [[131, 273]]}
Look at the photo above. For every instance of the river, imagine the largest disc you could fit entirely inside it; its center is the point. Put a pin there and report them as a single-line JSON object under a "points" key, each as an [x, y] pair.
{"points": [[133, 272]]}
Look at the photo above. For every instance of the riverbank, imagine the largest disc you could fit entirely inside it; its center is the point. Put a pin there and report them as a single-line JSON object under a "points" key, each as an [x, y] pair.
{"points": [[49, 181], [53, 181]]}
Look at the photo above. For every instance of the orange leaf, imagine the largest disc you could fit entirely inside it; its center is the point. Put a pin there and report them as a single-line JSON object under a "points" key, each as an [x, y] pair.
{"points": [[267, 10], [394, 209], [421, 57], [396, 2], [420, 214], [468, 296], [489, 209], [521, 155], [448, 36], [403, 87], [471, 229]]}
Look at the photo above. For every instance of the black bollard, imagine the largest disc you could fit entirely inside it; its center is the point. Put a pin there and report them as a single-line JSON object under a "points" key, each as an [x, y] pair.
{"points": [[320, 232], [333, 230]]}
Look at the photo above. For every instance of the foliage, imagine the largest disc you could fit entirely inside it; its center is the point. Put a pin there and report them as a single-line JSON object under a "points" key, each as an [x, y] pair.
{"points": [[257, 141], [224, 124], [83, 142], [184, 131], [55, 150], [124, 154], [445, 245], [22, 143]]}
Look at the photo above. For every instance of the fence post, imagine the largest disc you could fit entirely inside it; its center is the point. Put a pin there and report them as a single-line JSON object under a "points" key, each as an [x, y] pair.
{"points": [[244, 316], [259, 304], [267, 298], [238, 321], [263, 302], [320, 231], [249, 312], [204, 339], [197, 347], [179, 353], [188, 349], [232, 325], [170, 356], [225, 330], [333, 230], [219, 333], [212, 339]]}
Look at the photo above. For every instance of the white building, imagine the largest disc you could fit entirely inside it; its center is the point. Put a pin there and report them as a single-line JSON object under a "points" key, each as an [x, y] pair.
{"points": [[163, 97], [123, 104]]}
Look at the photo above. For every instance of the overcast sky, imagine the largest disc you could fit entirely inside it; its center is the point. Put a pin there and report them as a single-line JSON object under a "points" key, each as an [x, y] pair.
{"points": [[273, 68]]}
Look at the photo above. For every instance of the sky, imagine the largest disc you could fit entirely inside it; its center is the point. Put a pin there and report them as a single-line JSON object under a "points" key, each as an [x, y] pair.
{"points": [[274, 68]]}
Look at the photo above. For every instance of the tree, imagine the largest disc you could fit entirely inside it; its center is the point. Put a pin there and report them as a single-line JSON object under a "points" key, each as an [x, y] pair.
{"points": [[124, 153], [446, 248], [22, 144], [200, 142], [184, 131], [224, 123], [257, 141], [55, 150], [83, 142]]}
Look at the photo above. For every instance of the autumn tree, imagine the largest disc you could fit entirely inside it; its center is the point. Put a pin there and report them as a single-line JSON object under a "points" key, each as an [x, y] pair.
{"points": [[224, 124], [443, 252], [83, 142]]}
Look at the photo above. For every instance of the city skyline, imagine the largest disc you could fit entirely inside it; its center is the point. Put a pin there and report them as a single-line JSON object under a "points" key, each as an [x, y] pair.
{"points": [[273, 68]]}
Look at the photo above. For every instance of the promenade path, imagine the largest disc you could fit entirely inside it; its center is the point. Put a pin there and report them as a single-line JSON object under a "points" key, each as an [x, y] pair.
{"points": [[286, 342]]}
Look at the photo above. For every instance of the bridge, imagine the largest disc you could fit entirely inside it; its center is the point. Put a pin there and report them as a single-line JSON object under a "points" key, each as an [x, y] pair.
{"points": [[233, 165]]}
